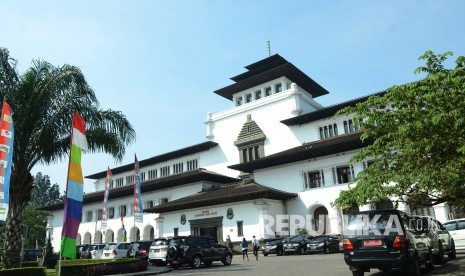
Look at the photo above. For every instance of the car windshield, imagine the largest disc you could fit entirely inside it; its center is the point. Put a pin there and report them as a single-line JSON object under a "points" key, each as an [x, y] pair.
{"points": [[175, 242], [297, 239], [159, 242], [372, 223], [110, 246], [318, 239], [450, 226]]}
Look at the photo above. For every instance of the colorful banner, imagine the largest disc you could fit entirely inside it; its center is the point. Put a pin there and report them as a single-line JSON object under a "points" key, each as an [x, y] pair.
{"points": [[105, 200], [138, 208], [123, 234], [74, 189], [6, 158]]}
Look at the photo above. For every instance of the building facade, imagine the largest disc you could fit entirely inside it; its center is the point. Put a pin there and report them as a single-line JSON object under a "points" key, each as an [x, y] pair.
{"points": [[272, 164]]}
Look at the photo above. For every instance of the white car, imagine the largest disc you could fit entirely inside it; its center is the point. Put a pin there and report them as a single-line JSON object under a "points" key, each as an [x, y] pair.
{"points": [[158, 251], [456, 228], [116, 250], [97, 251]]}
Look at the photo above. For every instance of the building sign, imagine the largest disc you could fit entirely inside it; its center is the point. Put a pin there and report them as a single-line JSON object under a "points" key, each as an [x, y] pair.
{"points": [[183, 219], [230, 213], [205, 214]]}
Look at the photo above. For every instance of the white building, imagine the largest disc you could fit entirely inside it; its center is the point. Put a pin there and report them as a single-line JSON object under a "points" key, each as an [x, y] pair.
{"points": [[275, 152]]}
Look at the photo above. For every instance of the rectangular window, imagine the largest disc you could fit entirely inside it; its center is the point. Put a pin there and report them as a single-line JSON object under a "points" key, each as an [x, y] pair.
{"points": [[326, 132], [164, 171], [248, 98], [176, 232], [89, 216], [111, 183], [99, 214], [148, 204], [178, 168], [258, 94], [346, 127], [153, 174], [240, 229], [142, 176], [111, 212], [322, 136], [344, 174], [335, 129], [256, 152], [267, 91], [122, 210], [129, 179], [192, 164], [238, 101], [119, 182], [279, 87], [331, 133], [351, 126], [163, 200], [314, 179]]}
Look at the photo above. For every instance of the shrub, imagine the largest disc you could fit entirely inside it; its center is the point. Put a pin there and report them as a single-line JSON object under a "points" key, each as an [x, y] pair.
{"points": [[102, 267], [30, 264], [24, 271]]}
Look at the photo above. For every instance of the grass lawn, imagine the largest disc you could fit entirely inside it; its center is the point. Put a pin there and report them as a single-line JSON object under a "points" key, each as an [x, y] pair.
{"points": [[50, 272]]}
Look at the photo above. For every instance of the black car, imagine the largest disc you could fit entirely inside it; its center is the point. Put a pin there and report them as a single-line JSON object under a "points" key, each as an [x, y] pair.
{"points": [[140, 249], [324, 243], [274, 246], [297, 244], [385, 239], [31, 254], [195, 250], [80, 249]]}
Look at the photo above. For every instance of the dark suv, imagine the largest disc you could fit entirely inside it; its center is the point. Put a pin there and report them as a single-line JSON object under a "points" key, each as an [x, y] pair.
{"points": [[385, 239], [140, 249], [194, 250], [297, 244]]}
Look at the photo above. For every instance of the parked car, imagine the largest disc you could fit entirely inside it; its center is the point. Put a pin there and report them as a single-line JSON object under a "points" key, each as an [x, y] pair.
{"points": [[385, 239], [456, 229], [274, 246], [93, 251], [31, 254], [297, 244], [80, 249], [116, 250], [159, 250], [140, 249], [323, 243], [441, 241], [195, 250]]}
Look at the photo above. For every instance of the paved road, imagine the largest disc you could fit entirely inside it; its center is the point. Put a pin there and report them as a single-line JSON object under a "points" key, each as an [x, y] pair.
{"points": [[320, 264]]}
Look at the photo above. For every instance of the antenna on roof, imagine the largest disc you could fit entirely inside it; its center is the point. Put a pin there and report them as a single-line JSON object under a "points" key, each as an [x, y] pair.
{"points": [[269, 47]]}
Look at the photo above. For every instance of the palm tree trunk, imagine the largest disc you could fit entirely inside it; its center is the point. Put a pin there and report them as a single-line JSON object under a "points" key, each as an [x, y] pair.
{"points": [[20, 194]]}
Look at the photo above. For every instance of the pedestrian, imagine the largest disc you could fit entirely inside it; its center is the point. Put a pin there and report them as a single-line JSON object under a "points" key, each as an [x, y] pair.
{"points": [[255, 245], [245, 247]]}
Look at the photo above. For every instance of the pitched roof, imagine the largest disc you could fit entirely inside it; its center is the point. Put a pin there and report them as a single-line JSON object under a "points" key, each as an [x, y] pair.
{"points": [[169, 181], [234, 192], [333, 145], [326, 112], [157, 159], [269, 69]]}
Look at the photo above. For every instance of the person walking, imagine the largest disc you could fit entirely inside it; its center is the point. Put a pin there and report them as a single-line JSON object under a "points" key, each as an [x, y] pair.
{"points": [[245, 248], [255, 245]]}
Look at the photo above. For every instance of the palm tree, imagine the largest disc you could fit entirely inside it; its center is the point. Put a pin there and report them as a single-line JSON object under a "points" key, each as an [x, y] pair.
{"points": [[43, 100]]}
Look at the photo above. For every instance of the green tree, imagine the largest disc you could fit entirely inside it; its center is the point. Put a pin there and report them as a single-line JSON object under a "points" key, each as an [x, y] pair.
{"points": [[43, 100], [37, 221], [417, 139], [43, 192]]}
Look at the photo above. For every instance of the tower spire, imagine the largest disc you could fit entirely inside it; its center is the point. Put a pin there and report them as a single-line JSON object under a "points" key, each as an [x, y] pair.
{"points": [[269, 47]]}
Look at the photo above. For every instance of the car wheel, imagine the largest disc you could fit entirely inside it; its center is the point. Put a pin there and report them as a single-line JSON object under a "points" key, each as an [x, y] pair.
{"points": [[327, 251], [265, 254], [440, 256], [209, 263], [358, 273], [227, 259], [430, 264], [196, 261], [414, 266], [453, 254], [280, 252], [302, 251]]}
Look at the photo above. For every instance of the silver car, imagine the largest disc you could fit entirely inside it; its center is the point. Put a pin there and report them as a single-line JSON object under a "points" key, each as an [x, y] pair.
{"points": [[115, 250], [441, 242], [158, 251], [456, 228]]}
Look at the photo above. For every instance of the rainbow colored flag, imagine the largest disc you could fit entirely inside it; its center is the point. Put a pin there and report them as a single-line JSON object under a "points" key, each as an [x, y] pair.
{"points": [[6, 158], [138, 208], [74, 189], [105, 200]]}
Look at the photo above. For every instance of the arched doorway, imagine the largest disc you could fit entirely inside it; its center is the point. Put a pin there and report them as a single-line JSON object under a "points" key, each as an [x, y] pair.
{"points": [[109, 236], [321, 221], [134, 234], [122, 234], [87, 238], [149, 233], [98, 237]]}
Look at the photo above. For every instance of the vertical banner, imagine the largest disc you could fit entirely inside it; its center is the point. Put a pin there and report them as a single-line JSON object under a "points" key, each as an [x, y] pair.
{"points": [[6, 158], [105, 200], [138, 209], [74, 189]]}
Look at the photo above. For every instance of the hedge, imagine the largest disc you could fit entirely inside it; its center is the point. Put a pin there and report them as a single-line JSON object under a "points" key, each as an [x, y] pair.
{"points": [[24, 271], [30, 264], [101, 267]]}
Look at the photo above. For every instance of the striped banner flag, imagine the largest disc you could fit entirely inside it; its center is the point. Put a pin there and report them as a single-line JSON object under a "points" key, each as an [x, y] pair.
{"points": [[74, 189], [138, 208], [105, 200], [6, 158]]}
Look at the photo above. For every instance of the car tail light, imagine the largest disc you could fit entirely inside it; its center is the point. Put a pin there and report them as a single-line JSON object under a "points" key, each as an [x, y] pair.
{"points": [[400, 241], [347, 245], [143, 251]]}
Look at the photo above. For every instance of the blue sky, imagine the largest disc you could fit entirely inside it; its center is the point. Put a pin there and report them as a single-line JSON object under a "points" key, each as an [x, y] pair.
{"points": [[160, 61]]}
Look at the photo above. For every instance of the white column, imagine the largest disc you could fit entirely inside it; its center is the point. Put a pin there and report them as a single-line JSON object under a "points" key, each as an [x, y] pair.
{"points": [[209, 124], [262, 207], [159, 227]]}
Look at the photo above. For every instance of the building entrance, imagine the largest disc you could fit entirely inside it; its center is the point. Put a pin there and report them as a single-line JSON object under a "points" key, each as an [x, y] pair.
{"points": [[208, 227]]}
